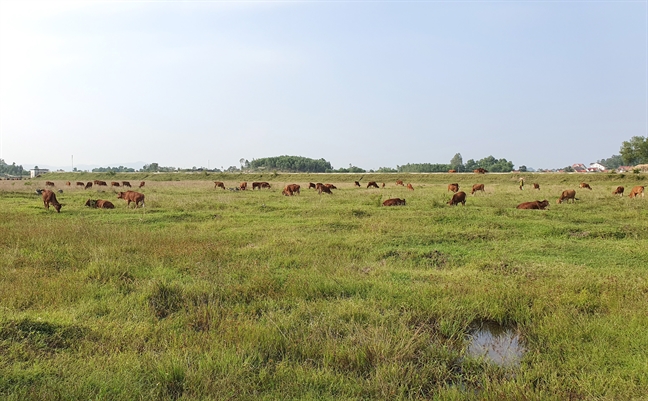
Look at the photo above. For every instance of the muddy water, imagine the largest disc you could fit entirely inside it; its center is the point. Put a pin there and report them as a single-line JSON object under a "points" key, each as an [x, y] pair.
{"points": [[496, 344]]}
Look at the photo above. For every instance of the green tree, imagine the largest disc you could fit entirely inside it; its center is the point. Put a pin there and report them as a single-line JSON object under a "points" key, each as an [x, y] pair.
{"points": [[456, 163], [612, 162], [292, 164], [635, 151], [523, 169]]}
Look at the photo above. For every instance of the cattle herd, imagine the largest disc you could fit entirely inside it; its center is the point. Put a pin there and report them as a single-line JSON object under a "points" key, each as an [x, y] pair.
{"points": [[458, 197]]}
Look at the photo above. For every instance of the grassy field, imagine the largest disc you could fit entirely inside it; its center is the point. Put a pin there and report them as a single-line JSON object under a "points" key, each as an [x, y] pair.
{"points": [[212, 294]]}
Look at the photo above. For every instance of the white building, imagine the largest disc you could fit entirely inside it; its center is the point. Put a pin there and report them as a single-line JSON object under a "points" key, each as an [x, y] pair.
{"points": [[596, 167], [35, 172]]}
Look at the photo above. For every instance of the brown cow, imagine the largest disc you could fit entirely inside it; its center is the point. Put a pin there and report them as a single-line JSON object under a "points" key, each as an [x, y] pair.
{"points": [[453, 187], [534, 205], [50, 197], [585, 185], [99, 204], [68, 183], [480, 171], [375, 185], [293, 188], [219, 184], [88, 185], [459, 197], [286, 191], [536, 186], [452, 171], [618, 191], [357, 183], [114, 184], [126, 184], [383, 185], [312, 185], [101, 183], [256, 185], [323, 188], [567, 195], [394, 202], [636, 191], [243, 186], [49, 184], [142, 183], [80, 184], [400, 182], [477, 187], [265, 185], [410, 187], [130, 196], [330, 186]]}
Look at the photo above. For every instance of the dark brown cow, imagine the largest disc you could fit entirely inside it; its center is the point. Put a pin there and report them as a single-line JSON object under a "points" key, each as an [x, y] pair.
{"points": [[459, 197], [293, 188], [357, 183], [142, 183], [68, 183], [114, 184], [372, 184], [243, 186], [50, 197], [323, 188], [618, 191], [400, 182], [126, 184], [541, 205], [453, 187], [101, 183], [49, 184], [131, 196], [480, 171], [265, 185], [410, 187], [452, 171], [394, 202], [330, 186], [585, 185], [636, 191], [256, 185], [477, 187], [219, 184], [80, 184], [88, 185], [567, 195], [312, 185], [536, 186], [96, 182], [99, 204]]}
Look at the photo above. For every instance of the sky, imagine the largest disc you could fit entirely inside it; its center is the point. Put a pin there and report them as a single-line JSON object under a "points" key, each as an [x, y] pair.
{"points": [[371, 83]]}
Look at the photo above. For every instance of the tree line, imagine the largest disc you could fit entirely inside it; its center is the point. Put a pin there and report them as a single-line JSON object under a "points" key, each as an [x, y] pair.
{"points": [[11, 169]]}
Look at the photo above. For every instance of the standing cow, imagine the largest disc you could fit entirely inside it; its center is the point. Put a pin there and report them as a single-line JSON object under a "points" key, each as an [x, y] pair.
{"points": [[49, 197], [453, 187], [131, 196], [567, 195], [618, 191], [457, 198], [477, 187]]}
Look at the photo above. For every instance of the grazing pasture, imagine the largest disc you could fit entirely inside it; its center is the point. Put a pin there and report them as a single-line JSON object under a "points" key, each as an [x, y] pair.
{"points": [[205, 294]]}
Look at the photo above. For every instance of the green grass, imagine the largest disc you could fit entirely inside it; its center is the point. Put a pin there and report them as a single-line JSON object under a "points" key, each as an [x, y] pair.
{"points": [[212, 294]]}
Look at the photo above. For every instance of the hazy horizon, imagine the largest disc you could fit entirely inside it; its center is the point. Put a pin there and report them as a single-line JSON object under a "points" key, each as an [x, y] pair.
{"points": [[373, 84]]}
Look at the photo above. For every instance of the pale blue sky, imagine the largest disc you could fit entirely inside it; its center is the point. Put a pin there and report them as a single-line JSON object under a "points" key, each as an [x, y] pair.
{"points": [[544, 84]]}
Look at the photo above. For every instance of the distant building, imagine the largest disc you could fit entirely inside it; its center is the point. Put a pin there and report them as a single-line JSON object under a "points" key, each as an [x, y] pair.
{"points": [[579, 168], [624, 169], [596, 167], [35, 172]]}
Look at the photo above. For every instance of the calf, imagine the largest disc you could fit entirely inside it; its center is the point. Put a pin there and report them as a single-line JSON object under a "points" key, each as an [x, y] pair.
{"points": [[394, 202], [636, 191], [99, 204], [373, 184], [142, 183], [567, 195], [453, 187], [477, 187], [541, 205], [585, 185], [126, 184], [536, 186], [130, 196], [457, 198], [410, 187], [50, 197], [219, 184], [618, 191]]}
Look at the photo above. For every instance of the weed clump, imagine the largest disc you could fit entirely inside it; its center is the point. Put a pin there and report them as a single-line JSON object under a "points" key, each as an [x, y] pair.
{"points": [[165, 299]]}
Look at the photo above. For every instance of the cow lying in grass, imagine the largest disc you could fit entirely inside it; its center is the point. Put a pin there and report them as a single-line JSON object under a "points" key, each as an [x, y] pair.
{"points": [[534, 205], [99, 204], [394, 202]]}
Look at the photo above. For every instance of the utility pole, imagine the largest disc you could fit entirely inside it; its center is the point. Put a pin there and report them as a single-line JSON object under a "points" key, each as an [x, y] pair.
{"points": [[72, 162]]}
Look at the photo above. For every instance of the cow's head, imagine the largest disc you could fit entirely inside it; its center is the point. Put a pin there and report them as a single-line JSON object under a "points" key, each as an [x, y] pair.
{"points": [[57, 207], [120, 195]]}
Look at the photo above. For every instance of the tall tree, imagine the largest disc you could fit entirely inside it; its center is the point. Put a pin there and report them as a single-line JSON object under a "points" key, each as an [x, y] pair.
{"points": [[635, 151], [456, 163]]}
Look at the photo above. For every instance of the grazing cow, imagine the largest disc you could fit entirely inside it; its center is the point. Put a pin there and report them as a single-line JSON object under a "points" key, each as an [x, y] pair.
{"points": [[330, 186], [130, 196], [80, 184], [96, 182], [114, 184], [99, 204], [265, 185], [243, 186], [286, 191], [101, 183], [126, 184], [68, 183], [410, 187], [477, 187], [357, 183], [49, 184], [636, 191], [452, 171], [618, 191], [50, 197], [567, 195], [585, 185], [400, 182], [219, 184], [373, 184], [142, 183], [453, 187], [88, 185], [480, 171], [541, 205], [536, 186], [312, 185], [293, 188], [256, 185], [459, 197], [323, 188], [394, 202]]}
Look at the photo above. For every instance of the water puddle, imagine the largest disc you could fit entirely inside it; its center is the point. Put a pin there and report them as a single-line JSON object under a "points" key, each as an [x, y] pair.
{"points": [[496, 344]]}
